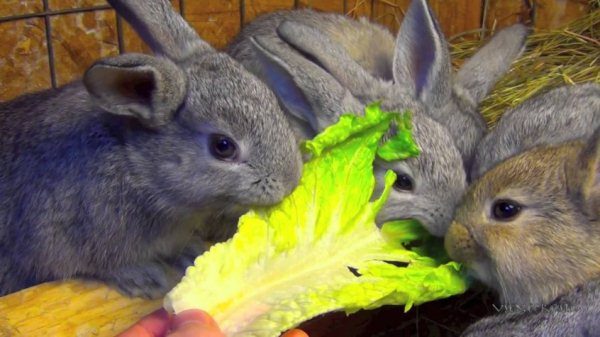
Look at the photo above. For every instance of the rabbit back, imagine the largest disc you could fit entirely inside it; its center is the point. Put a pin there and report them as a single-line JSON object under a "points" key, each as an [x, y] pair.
{"points": [[575, 314], [558, 116], [369, 44]]}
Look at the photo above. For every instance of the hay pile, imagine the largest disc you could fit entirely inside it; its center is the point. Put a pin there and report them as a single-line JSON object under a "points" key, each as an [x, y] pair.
{"points": [[567, 55]]}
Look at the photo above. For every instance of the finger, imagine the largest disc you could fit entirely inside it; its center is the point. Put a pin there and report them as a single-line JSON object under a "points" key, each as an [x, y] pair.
{"points": [[295, 333], [155, 324], [195, 323]]}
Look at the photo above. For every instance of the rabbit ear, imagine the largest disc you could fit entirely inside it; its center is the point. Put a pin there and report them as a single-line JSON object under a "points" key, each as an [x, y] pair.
{"points": [[588, 178], [308, 92], [164, 30], [148, 88], [481, 72], [421, 59], [329, 55], [279, 78]]}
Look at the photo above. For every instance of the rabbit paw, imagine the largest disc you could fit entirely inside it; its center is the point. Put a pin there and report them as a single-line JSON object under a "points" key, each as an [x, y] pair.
{"points": [[189, 254], [151, 280]]}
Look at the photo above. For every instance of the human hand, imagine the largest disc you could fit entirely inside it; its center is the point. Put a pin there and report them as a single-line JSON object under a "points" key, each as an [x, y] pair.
{"points": [[189, 323]]}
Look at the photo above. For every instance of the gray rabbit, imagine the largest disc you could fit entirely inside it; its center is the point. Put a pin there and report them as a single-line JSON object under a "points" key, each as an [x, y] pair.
{"points": [[528, 227], [369, 44], [108, 177], [563, 114], [316, 79], [415, 66], [575, 314]]}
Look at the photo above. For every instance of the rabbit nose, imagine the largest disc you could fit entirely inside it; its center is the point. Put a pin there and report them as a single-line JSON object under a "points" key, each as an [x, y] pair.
{"points": [[460, 245]]}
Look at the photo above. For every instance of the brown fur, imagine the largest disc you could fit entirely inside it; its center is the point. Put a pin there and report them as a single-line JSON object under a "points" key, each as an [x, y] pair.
{"points": [[553, 245]]}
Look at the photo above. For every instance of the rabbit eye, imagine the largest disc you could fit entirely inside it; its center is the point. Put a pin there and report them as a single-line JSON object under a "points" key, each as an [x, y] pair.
{"points": [[505, 210], [223, 147], [403, 182]]}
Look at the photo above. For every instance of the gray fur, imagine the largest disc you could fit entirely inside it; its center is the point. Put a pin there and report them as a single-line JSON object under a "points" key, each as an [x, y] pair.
{"points": [[480, 73], [560, 115], [109, 182], [316, 91], [166, 34], [453, 103], [438, 174], [370, 44], [422, 59], [438, 178], [544, 156], [576, 314], [321, 65]]}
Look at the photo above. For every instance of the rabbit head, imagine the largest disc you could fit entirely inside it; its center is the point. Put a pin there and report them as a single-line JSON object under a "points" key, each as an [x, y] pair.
{"points": [[422, 67], [428, 186], [557, 116], [316, 80], [529, 227], [207, 131]]}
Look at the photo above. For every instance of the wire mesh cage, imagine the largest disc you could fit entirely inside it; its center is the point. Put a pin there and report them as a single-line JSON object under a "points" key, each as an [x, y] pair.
{"points": [[48, 43]]}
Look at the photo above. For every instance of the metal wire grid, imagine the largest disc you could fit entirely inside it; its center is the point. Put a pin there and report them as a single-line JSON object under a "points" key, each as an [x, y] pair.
{"points": [[47, 13]]}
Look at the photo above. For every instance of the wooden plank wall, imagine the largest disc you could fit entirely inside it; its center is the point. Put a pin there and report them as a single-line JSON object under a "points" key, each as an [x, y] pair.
{"points": [[42, 51]]}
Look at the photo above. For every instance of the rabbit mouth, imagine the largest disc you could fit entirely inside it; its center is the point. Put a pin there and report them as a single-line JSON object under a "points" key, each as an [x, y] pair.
{"points": [[383, 218], [428, 223], [263, 192], [482, 271]]}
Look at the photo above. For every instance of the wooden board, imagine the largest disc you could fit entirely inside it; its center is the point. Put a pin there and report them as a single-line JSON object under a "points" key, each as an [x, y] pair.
{"points": [[457, 16], [254, 8], [555, 13], [323, 5], [69, 309], [217, 22], [454, 16], [502, 13], [548, 14]]}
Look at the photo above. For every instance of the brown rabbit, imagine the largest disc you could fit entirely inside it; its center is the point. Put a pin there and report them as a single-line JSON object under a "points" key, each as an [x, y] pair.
{"points": [[530, 229]]}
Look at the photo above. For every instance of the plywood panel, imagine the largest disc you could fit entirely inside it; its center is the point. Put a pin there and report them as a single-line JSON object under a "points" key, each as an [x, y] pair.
{"points": [[81, 39], [502, 13], [217, 22], [253, 8], [323, 5], [457, 16], [68, 309], [556, 13], [24, 65], [454, 16], [16, 7], [548, 14]]}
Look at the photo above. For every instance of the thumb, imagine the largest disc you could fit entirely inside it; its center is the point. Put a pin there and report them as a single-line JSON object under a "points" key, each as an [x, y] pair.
{"points": [[295, 333], [194, 323]]}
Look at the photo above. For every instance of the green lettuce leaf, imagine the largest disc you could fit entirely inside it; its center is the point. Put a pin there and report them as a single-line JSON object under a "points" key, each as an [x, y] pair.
{"points": [[319, 250]]}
